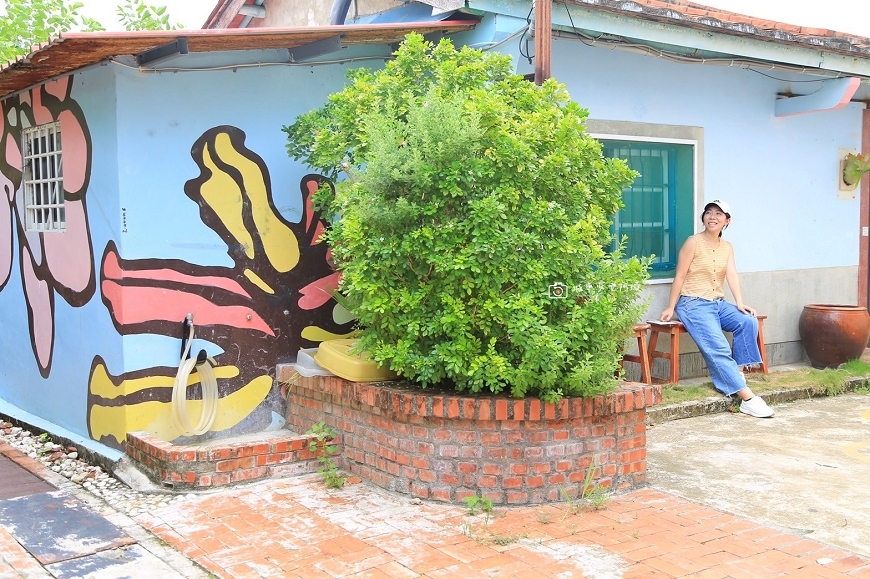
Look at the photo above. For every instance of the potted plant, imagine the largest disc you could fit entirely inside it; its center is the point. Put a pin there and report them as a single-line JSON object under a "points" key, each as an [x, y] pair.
{"points": [[854, 167], [471, 224]]}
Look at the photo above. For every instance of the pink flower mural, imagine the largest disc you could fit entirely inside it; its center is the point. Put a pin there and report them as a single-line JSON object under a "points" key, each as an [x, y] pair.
{"points": [[51, 263]]}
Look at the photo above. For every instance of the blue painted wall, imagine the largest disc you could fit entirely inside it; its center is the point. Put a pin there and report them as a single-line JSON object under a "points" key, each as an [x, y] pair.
{"points": [[142, 128], [778, 174]]}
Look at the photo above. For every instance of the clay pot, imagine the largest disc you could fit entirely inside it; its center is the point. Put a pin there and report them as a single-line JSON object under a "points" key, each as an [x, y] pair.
{"points": [[833, 334]]}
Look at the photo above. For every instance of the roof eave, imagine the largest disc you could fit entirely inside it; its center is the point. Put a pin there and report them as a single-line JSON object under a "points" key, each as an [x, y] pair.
{"points": [[74, 51], [669, 28]]}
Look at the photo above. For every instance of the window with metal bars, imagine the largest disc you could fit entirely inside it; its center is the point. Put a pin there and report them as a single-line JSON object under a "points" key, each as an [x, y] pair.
{"points": [[657, 216], [44, 203]]}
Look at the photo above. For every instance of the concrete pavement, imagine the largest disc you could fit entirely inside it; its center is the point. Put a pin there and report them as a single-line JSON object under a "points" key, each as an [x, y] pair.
{"points": [[806, 470]]}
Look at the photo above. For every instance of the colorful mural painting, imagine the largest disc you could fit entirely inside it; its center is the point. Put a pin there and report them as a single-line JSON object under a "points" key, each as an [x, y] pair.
{"points": [[51, 263], [275, 300]]}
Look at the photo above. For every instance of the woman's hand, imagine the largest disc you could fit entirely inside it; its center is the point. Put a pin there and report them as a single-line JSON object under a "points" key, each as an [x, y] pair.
{"points": [[746, 309], [667, 315]]}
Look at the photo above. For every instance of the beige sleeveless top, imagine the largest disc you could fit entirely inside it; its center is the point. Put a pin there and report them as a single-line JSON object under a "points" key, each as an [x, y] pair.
{"points": [[706, 273]]}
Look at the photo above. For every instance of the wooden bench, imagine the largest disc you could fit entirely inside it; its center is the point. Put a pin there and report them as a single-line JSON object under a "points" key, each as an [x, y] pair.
{"points": [[674, 329], [642, 356]]}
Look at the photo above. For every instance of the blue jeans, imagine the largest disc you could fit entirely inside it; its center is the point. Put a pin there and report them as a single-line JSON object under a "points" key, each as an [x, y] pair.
{"points": [[705, 321]]}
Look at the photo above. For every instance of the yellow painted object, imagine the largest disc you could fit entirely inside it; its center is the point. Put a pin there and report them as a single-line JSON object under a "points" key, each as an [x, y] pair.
{"points": [[334, 356]]}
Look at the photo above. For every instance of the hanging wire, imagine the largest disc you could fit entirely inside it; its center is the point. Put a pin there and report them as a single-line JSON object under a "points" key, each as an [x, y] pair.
{"points": [[523, 42]]}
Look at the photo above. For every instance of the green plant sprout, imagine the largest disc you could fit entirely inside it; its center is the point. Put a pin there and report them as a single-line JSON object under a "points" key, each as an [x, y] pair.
{"points": [[591, 493], [323, 435], [855, 167], [476, 504]]}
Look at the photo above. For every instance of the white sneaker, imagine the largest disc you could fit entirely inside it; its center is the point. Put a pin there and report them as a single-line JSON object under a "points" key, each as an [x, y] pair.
{"points": [[757, 407]]}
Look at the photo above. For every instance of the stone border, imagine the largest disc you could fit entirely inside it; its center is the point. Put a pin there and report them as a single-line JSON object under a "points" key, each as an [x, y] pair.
{"points": [[712, 405], [443, 446]]}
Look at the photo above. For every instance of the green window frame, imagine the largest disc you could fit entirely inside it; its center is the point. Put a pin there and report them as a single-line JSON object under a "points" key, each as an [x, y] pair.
{"points": [[658, 212]]}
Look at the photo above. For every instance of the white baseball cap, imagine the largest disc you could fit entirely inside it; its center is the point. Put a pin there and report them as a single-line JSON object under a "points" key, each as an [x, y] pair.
{"points": [[721, 204]]}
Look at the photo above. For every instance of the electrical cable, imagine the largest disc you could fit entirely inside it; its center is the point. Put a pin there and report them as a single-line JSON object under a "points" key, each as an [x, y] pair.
{"points": [[233, 67], [524, 53]]}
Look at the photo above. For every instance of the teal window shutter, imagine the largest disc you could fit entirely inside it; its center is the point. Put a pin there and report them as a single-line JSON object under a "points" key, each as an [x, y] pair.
{"points": [[657, 215]]}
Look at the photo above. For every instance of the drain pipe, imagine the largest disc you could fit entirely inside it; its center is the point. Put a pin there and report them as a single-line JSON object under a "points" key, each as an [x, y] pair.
{"points": [[339, 12]]}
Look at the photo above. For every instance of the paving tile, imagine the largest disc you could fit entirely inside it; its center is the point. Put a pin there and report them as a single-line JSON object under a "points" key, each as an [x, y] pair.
{"points": [[499, 563], [65, 529], [801, 547], [712, 559], [313, 533], [396, 570], [816, 572], [311, 572], [847, 564], [334, 567], [131, 562], [675, 567], [644, 571], [373, 573], [15, 561], [737, 545], [707, 574]]}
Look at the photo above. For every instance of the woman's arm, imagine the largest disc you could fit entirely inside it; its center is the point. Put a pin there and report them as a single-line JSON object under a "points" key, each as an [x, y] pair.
{"points": [[734, 283], [684, 260]]}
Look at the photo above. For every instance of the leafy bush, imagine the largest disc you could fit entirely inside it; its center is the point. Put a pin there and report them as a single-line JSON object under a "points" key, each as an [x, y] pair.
{"points": [[471, 193]]}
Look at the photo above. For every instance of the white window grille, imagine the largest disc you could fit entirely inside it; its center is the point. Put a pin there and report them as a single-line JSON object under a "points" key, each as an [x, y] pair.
{"points": [[43, 179]]}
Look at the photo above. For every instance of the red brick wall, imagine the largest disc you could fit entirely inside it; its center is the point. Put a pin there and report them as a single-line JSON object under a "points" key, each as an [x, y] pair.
{"points": [[221, 462], [446, 447]]}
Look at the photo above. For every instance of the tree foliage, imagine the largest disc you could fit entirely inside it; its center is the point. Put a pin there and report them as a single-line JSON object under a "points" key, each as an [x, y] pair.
{"points": [[28, 23], [136, 15], [471, 193]]}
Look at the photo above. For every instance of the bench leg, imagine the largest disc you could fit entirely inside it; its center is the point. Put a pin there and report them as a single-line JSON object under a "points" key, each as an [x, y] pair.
{"points": [[651, 350], [645, 373], [761, 348], [672, 355]]}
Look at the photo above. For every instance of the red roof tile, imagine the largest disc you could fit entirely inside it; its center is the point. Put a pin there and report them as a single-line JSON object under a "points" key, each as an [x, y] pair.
{"points": [[693, 15]]}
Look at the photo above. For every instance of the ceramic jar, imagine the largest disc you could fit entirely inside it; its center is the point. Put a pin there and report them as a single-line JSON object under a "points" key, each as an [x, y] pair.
{"points": [[833, 334]]}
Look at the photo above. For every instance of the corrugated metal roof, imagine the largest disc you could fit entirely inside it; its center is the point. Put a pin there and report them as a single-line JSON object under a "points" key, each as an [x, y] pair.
{"points": [[72, 51], [412, 12]]}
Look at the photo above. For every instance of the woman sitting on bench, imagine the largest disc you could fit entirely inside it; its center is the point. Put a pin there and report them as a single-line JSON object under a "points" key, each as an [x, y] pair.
{"points": [[704, 263]]}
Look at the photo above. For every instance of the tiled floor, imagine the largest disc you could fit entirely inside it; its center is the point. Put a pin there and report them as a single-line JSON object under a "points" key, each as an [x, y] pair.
{"points": [[298, 528], [16, 562]]}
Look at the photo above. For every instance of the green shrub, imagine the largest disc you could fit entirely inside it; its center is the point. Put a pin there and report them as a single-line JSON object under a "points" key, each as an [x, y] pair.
{"points": [[470, 193]]}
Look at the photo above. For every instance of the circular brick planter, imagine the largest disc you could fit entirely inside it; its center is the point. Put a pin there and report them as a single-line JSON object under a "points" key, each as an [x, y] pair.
{"points": [[442, 446]]}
